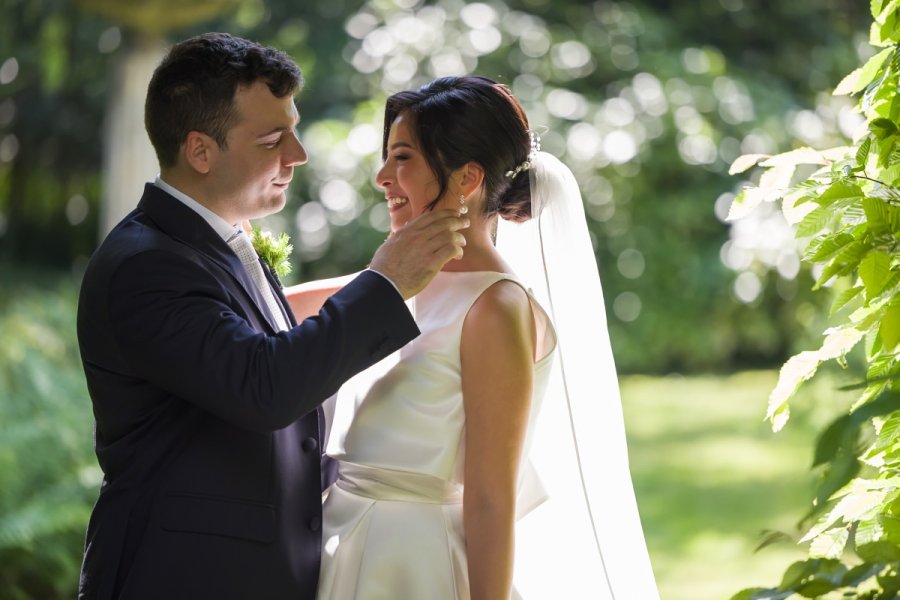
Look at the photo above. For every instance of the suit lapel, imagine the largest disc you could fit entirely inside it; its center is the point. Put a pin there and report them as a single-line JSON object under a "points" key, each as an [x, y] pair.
{"points": [[185, 225]]}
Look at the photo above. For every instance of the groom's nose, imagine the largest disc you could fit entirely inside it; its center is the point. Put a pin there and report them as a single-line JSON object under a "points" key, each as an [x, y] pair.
{"points": [[294, 154]]}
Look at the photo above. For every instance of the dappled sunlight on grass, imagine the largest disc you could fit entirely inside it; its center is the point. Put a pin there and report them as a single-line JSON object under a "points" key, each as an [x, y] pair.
{"points": [[711, 476]]}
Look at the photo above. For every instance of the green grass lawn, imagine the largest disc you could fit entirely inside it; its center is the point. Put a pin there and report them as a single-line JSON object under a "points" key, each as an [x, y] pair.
{"points": [[710, 476]]}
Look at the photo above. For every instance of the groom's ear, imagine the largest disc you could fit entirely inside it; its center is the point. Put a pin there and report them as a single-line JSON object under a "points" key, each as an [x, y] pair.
{"points": [[199, 151]]}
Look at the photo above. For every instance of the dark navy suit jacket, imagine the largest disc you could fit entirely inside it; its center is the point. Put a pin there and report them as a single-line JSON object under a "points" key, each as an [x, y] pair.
{"points": [[207, 419]]}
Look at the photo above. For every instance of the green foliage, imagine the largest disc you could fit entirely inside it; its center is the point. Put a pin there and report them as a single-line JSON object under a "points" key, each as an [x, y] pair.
{"points": [[48, 474], [848, 212]]}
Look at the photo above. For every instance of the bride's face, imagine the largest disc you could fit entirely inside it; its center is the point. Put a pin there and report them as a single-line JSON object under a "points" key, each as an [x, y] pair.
{"points": [[408, 182]]}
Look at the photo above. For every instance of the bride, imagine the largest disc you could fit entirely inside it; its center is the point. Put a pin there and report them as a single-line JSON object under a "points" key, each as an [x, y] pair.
{"points": [[487, 458]]}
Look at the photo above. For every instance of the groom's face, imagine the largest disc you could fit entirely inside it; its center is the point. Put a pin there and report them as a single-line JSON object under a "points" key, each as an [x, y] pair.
{"points": [[252, 172]]}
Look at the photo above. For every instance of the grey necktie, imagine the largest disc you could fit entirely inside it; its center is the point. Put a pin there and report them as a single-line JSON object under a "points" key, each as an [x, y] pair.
{"points": [[241, 246]]}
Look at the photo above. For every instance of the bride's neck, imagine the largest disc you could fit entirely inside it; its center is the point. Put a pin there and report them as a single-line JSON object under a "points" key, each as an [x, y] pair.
{"points": [[479, 253]]}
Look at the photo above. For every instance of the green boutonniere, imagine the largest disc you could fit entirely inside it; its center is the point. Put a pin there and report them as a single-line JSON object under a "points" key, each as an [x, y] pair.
{"points": [[275, 251]]}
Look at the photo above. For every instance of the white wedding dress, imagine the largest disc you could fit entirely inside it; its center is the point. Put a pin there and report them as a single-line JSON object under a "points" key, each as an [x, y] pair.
{"points": [[393, 526]]}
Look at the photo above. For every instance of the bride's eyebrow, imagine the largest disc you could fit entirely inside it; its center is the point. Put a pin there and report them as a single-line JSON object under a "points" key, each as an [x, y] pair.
{"points": [[396, 145]]}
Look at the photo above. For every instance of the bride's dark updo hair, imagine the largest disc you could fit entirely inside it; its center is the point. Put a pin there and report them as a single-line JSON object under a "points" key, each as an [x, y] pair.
{"points": [[456, 120]]}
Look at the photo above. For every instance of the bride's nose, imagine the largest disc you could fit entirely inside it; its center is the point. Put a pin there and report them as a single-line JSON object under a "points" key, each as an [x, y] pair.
{"points": [[383, 177]]}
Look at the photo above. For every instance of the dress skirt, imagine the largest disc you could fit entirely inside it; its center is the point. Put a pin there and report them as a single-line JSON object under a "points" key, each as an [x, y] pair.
{"points": [[392, 535]]}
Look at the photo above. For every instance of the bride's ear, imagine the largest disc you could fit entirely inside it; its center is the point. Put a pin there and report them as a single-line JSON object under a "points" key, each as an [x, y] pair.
{"points": [[470, 177]]}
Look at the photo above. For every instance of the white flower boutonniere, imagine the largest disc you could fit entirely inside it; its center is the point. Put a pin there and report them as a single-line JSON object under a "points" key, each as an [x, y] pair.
{"points": [[275, 251]]}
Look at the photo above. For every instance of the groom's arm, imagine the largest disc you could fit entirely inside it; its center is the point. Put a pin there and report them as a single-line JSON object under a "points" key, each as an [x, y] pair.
{"points": [[178, 327]]}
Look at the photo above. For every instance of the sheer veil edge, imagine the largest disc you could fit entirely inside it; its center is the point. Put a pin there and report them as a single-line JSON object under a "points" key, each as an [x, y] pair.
{"points": [[584, 535]]}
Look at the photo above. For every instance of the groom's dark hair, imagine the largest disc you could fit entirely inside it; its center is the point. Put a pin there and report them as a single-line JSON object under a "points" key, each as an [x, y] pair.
{"points": [[193, 88]]}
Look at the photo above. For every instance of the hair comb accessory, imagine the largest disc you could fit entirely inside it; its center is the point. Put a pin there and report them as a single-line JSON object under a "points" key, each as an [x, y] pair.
{"points": [[526, 164]]}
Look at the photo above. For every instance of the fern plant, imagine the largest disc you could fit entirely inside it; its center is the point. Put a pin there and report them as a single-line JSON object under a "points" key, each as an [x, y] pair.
{"points": [[48, 474], [845, 205]]}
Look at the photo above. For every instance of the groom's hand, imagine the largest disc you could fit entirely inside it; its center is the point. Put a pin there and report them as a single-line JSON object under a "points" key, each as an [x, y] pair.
{"points": [[413, 254]]}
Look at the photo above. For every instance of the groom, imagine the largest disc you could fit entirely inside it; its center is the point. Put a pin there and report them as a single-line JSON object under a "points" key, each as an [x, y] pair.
{"points": [[205, 391]]}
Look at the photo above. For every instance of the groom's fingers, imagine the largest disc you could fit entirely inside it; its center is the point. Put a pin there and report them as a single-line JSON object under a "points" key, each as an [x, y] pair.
{"points": [[441, 231], [417, 251]]}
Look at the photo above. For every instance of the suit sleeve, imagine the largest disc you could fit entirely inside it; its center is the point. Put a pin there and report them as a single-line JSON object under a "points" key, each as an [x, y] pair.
{"points": [[176, 326]]}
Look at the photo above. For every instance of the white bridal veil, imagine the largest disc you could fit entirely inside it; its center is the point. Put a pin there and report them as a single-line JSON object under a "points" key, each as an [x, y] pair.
{"points": [[585, 539]]}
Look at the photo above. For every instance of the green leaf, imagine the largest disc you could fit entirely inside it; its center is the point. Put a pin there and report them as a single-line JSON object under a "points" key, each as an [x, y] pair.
{"points": [[878, 551], [837, 435], [802, 366], [862, 153], [859, 78], [839, 190], [890, 327], [882, 217], [883, 128], [843, 263], [838, 473], [827, 246], [797, 572], [772, 537], [875, 272], [858, 574], [887, 436], [844, 298], [891, 174], [814, 222], [889, 580], [882, 29], [830, 544], [797, 204]]}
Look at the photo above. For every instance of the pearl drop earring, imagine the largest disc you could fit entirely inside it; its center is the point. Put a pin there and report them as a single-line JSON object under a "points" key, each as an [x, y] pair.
{"points": [[462, 204]]}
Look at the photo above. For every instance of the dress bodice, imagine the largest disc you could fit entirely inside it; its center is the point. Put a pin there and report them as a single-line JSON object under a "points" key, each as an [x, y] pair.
{"points": [[406, 412]]}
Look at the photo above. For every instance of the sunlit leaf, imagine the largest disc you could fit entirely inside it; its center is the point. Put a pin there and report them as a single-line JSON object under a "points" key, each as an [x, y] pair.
{"points": [[814, 221], [800, 156], [827, 247], [802, 366], [839, 190], [745, 202], [863, 76], [890, 327], [844, 298], [796, 370], [874, 270], [844, 262], [796, 205], [830, 544], [744, 162], [882, 217]]}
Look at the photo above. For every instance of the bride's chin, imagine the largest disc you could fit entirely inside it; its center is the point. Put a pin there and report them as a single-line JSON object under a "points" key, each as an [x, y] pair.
{"points": [[399, 218]]}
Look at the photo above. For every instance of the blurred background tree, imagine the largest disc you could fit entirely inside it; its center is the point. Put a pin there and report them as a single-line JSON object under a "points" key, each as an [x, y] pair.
{"points": [[647, 101]]}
